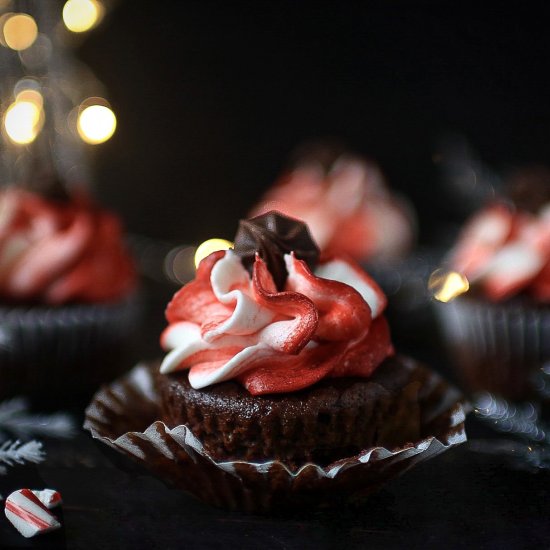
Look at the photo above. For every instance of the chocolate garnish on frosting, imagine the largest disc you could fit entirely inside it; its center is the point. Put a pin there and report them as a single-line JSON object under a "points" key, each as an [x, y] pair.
{"points": [[272, 235]]}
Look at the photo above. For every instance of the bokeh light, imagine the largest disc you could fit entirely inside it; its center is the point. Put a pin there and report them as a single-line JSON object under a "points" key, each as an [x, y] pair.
{"points": [[446, 285], [30, 96], [179, 264], [96, 124], [209, 246], [19, 31], [82, 15], [37, 56], [24, 118]]}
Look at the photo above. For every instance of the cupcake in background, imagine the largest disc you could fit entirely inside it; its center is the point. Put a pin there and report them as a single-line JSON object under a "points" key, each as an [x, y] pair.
{"points": [[67, 294], [499, 331], [346, 203]]}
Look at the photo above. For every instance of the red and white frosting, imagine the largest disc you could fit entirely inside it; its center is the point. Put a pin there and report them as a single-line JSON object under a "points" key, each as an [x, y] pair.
{"points": [[226, 324], [505, 252], [57, 252], [349, 211]]}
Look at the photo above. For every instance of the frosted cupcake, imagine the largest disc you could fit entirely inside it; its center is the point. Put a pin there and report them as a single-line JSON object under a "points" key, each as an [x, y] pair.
{"points": [[67, 293], [280, 387], [499, 331], [346, 204], [305, 335]]}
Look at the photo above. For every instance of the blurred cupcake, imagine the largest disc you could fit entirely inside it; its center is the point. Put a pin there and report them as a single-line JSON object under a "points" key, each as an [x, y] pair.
{"points": [[66, 291], [346, 204], [280, 388], [499, 331]]}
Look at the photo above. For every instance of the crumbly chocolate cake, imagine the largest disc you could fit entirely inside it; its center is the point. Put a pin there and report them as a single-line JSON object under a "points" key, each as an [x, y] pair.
{"points": [[333, 419]]}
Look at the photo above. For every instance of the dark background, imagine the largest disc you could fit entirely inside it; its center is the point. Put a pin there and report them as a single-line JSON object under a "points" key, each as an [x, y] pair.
{"points": [[212, 97]]}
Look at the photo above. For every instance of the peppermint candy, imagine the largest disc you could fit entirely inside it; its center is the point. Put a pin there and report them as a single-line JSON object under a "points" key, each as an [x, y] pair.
{"points": [[50, 498], [29, 515]]}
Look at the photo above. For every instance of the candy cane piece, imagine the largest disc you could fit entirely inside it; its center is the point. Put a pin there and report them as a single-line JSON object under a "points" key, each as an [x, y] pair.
{"points": [[28, 515], [50, 498]]}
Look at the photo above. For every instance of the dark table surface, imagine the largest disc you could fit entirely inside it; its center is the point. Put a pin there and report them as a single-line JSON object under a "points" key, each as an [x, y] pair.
{"points": [[461, 499]]}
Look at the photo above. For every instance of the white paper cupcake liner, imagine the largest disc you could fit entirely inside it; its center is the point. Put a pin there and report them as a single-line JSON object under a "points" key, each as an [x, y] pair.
{"points": [[124, 415], [496, 347]]}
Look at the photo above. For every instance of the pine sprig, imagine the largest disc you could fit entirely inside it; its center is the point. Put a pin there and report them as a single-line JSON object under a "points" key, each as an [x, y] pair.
{"points": [[15, 452], [16, 419]]}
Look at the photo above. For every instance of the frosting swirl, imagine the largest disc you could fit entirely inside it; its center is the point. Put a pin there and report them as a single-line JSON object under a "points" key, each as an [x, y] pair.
{"points": [[227, 324], [347, 206], [505, 251], [56, 252]]}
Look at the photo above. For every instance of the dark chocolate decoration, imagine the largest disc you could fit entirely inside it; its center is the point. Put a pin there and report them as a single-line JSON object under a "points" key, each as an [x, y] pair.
{"points": [[273, 235]]}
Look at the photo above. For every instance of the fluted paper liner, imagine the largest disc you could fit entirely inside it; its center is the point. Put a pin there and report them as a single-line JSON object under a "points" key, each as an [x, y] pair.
{"points": [[124, 416], [496, 347], [63, 350]]}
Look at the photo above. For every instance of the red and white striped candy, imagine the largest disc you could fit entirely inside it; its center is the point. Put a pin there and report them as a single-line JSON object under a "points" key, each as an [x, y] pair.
{"points": [[50, 498], [28, 515]]}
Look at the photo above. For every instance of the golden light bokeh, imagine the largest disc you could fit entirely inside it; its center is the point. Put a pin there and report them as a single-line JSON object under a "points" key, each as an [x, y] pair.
{"points": [[446, 285], [19, 31], [82, 15], [96, 124], [209, 246], [30, 96], [23, 121], [179, 264]]}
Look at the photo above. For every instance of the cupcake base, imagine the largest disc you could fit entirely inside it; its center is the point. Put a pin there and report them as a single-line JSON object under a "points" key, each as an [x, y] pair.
{"points": [[61, 354], [125, 415], [496, 347], [333, 418]]}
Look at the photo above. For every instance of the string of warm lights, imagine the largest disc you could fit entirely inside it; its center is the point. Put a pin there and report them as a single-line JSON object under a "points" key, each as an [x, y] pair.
{"points": [[93, 120], [24, 118]]}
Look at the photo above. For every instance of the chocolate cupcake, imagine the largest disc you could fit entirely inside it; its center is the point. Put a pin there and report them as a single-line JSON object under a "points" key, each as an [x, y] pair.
{"points": [[280, 388], [67, 295], [499, 331], [289, 355], [280, 330]]}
